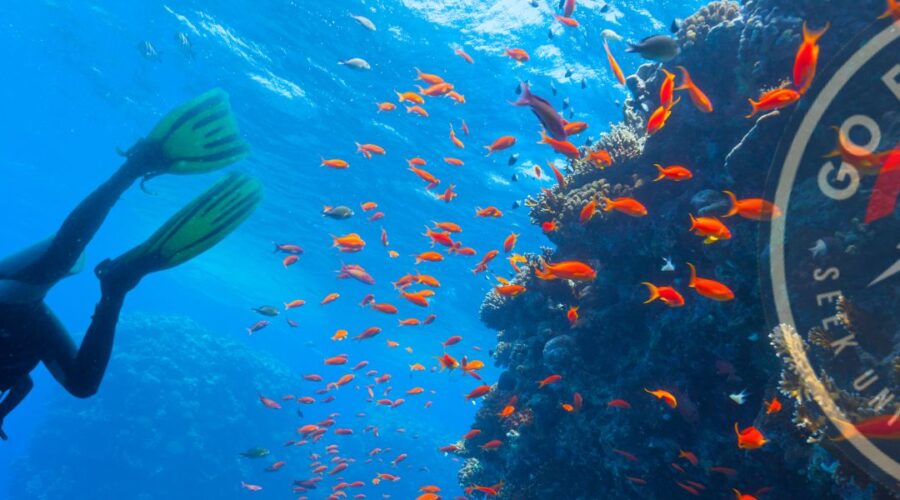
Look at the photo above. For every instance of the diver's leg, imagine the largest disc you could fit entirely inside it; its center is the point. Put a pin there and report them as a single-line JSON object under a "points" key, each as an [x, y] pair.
{"points": [[17, 392], [81, 371], [79, 228]]}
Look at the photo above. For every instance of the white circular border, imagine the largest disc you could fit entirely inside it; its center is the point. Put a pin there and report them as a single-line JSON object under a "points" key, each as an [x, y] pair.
{"points": [[782, 197]]}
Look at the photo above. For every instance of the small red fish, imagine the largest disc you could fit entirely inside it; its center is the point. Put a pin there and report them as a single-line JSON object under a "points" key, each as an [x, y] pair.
{"points": [[619, 403]]}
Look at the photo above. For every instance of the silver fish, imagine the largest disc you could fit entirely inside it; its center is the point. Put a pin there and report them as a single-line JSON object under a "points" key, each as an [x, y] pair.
{"points": [[364, 22], [356, 63]]}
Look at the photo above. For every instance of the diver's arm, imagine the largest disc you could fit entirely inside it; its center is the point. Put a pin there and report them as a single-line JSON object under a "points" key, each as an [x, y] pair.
{"points": [[20, 388], [80, 372]]}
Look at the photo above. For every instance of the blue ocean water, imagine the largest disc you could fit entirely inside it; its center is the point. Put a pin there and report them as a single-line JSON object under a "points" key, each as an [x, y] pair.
{"points": [[77, 85]]}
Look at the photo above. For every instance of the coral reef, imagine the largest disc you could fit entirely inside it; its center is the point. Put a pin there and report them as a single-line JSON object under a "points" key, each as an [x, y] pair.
{"points": [[166, 444], [619, 346]]}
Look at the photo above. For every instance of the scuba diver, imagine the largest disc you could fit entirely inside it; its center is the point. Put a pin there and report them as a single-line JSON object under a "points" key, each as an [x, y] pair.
{"points": [[197, 137]]}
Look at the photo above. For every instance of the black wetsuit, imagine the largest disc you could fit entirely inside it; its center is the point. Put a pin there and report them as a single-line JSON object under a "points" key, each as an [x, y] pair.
{"points": [[29, 331]]}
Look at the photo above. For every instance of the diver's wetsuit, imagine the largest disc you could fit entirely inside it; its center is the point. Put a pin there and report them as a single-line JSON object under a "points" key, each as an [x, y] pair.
{"points": [[29, 331]]}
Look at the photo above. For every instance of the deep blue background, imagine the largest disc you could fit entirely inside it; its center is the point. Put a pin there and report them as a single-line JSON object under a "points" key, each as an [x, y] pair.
{"points": [[76, 87]]}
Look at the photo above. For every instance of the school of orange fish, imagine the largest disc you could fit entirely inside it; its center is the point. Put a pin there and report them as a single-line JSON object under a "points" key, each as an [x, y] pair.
{"points": [[334, 471]]}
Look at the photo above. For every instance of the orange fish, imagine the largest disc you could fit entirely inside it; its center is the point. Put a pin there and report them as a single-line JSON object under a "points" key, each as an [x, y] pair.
{"points": [[893, 10], [667, 89], [457, 97], [552, 379], [689, 456], [572, 316], [369, 149], [879, 427], [628, 206], [600, 158], [368, 205], [507, 411], [409, 322], [659, 118], [560, 179], [331, 297], [567, 270], [290, 260], [673, 173], [479, 391], [619, 403], [750, 438], [518, 54], [613, 64], [417, 298], [386, 106], [549, 226], [510, 290], [436, 90], [447, 362], [450, 227], [456, 162], [419, 110], [491, 445], [567, 21], [501, 143], [510, 242], [455, 140], [699, 99], [708, 288], [807, 58], [865, 161], [429, 257], [588, 211], [575, 128], [464, 127], [774, 99], [488, 212], [428, 78], [417, 162], [537, 171], [469, 435], [466, 57], [425, 176], [668, 295], [710, 227], [448, 194], [336, 164], [742, 496], [294, 304], [564, 147], [410, 96], [339, 335], [336, 360], [569, 408], [773, 406], [666, 396], [752, 208], [385, 308]]}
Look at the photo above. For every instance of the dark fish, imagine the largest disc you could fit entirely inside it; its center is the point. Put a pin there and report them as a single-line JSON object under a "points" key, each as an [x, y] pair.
{"points": [[550, 33], [675, 26], [604, 9], [566, 103], [656, 48], [265, 310], [513, 158], [553, 88], [519, 88], [491, 353], [544, 112], [300, 413], [571, 114], [533, 3], [255, 453], [339, 212], [515, 204], [568, 72], [561, 4], [589, 142], [514, 178], [584, 83]]}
